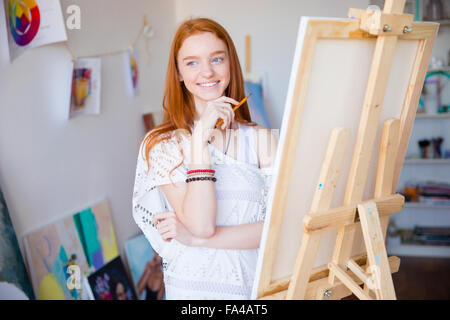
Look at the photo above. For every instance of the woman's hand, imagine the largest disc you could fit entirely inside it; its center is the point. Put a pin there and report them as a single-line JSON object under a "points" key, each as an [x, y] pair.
{"points": [[169, 227], [220, 108]]}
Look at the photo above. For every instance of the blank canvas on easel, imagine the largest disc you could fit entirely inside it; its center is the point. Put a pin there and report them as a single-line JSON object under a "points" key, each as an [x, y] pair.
{"points": [[326, 90]]}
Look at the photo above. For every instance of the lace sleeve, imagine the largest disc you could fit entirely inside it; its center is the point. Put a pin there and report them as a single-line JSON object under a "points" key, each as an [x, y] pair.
{"points": [[267, 175], [148, 199]]}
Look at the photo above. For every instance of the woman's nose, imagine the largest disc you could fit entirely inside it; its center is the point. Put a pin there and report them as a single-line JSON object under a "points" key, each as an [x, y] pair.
{"points": [[207, 71]]}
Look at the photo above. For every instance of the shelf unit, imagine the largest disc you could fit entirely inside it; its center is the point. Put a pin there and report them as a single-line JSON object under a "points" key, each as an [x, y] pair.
{"points": [[416, 213], [426, 126], [418, 170]]}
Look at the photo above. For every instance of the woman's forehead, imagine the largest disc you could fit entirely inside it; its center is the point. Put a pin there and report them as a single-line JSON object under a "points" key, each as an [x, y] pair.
{"points": [[201, 44]]}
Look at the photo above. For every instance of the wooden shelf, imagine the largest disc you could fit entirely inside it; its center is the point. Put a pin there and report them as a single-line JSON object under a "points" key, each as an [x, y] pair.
{"points": [[418, 205], [420, 116], [418, 250], [427, 161], [443, 23]]}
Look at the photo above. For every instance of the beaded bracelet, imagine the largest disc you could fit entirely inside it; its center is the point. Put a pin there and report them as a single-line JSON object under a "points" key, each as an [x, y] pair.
{"points": [[201, 171], [201, 179]]}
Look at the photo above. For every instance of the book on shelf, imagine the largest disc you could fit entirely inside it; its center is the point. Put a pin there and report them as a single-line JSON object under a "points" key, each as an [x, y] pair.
{"points": [[435, 201], [430, 193], [435, 236]]}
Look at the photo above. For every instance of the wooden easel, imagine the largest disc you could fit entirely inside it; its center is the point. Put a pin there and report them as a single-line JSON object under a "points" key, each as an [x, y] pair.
{"points": [[344, 274]]}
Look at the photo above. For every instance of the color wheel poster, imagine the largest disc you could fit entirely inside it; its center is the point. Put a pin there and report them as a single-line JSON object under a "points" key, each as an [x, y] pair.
{"points": [[33, 23], [85, 96]]}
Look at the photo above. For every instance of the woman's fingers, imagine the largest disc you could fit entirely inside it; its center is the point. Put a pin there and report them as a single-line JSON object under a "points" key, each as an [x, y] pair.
{"points": [[157, 217], [165, 225], [168, 232], [227, 99], [220, 108], [226, 113], [168, 235]]}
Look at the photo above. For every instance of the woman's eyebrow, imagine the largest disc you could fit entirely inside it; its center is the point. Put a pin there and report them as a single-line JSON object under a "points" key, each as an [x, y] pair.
{"points": [[212, 54]]}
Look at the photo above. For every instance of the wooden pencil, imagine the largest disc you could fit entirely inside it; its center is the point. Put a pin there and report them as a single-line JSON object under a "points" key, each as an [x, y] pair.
{"points": [[235, 108]]}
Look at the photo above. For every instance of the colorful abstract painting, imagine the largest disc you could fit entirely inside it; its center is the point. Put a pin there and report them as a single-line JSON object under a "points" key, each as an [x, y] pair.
{"points": [[85, 239], [96, 234], [146, 269], [256, 104], [33, 23], [12, 267], [50, 251], [131, 67], [111, 282], [134, 71], [85, 95], [81, 87]]}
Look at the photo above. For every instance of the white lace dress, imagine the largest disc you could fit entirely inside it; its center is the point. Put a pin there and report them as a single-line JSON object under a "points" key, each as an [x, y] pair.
{"points": [[241, 189]]}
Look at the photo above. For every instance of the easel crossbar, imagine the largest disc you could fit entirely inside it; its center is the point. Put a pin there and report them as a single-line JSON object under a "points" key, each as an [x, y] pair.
{"points": [[348, 281], [345, 215]]}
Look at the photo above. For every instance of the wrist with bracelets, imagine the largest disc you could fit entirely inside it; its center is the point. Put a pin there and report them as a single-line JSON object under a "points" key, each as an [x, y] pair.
{"points": [[201, 175]]}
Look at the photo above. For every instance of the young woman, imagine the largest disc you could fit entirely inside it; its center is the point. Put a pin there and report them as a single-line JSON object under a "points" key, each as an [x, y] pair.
{"points": [[200, 191]]}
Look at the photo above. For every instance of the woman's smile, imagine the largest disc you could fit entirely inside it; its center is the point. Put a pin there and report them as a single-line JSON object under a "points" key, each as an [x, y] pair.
{"points": [[209, 85]]}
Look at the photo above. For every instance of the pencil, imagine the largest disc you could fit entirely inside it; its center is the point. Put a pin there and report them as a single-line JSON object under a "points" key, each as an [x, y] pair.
{"points": [[235, 108]]}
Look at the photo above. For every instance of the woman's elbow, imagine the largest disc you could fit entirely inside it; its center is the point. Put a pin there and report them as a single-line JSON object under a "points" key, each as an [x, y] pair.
{"points": [[199, 225], [205, 232]]}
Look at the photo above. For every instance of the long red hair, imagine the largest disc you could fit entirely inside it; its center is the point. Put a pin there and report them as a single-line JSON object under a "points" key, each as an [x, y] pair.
{"points": [[178, 104]]}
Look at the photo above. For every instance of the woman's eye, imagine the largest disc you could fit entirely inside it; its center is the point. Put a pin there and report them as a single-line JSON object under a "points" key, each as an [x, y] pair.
{"points": [[191, 63], [218, 59]]}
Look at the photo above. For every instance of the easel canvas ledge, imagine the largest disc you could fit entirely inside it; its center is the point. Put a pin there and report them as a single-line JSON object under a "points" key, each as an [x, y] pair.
{"points": [[318, 282]]}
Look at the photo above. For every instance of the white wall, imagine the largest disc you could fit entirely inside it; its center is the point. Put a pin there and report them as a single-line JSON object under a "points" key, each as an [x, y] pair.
{"points": [[273, 26], [51, 167]]}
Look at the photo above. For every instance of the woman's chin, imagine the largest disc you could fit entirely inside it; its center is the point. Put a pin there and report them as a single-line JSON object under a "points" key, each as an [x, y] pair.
{"points": [[210, 96]]}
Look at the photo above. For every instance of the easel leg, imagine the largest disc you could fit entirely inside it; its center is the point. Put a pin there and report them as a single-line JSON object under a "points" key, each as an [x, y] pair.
{"points": [[377, 258], [303, 266], [329, 174], [386, 166]]}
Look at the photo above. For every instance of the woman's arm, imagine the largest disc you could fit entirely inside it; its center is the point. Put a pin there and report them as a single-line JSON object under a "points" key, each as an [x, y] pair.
{"points": [[245, 236], [239, 237], [195, 203]]}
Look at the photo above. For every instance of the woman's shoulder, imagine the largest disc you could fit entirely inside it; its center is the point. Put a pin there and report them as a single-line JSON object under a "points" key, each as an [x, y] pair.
{"points": [[262, 131], [170, 138]]}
